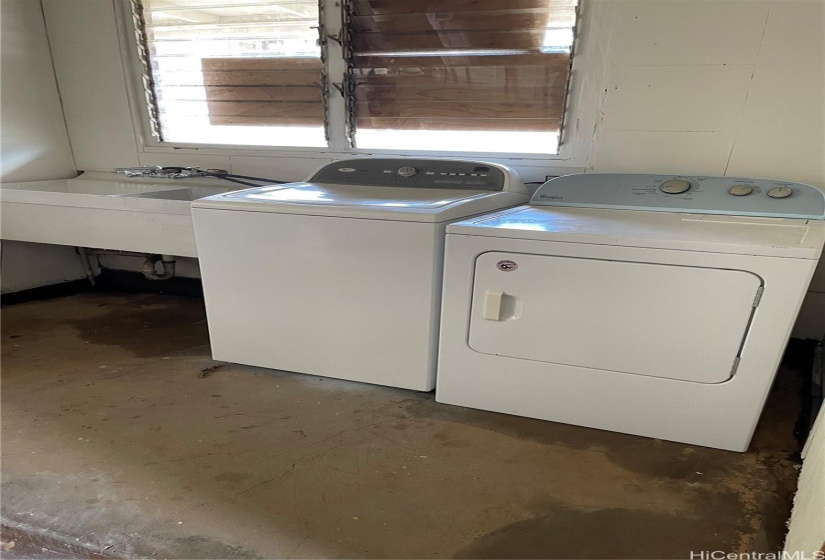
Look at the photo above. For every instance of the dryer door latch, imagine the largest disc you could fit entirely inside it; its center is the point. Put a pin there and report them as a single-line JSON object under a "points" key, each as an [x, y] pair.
{"points": [[492, 305]]}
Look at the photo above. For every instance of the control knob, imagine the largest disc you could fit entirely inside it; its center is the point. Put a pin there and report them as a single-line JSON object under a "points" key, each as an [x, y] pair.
{"points": [[780, 192], [407, 171], [740, 190], [674, 186]]}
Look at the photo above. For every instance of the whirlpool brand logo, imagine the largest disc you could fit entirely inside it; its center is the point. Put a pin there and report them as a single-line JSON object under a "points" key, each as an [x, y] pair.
{"points": [[551, 196]]}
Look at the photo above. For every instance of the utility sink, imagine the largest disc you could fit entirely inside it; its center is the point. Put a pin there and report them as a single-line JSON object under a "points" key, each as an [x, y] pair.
{"points": [[106, 211], [175, 194]]}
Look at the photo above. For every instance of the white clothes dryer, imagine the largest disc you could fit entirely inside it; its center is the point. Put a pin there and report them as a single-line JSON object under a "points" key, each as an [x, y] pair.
{"points": [[340, 276], [645, 304]]}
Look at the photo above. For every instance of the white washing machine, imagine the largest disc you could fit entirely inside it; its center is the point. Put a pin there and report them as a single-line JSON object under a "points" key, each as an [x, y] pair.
{"points": [[645, 304], [340, 276]]}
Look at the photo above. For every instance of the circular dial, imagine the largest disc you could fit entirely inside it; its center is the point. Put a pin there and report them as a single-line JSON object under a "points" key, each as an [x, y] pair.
{"points": [[740, 190], [780, 192], [407, 171], [674, 186]]}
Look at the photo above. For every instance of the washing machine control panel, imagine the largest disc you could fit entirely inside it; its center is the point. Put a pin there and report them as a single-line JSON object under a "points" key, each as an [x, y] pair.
{"points": [[419, 173], [681, 193]]}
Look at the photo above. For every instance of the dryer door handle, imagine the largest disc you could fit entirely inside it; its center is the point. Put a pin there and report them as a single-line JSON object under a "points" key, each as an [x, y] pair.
{"points": [[492, 305]]}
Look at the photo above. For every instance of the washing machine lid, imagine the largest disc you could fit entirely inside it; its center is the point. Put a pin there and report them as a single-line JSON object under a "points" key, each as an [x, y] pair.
{"points": [[379, 203], [401, 189], [363, 201], [743, 235]]}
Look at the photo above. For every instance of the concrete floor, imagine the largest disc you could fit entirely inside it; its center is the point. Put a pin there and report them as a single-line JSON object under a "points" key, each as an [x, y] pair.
{"points": [[121, 434]]}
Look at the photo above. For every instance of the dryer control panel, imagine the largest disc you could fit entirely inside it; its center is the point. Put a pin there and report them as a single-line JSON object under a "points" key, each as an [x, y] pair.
{"points": [[684, 193], [419, 173]]}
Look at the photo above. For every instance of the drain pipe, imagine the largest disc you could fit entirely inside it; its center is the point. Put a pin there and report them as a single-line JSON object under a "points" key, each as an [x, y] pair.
{"points": [[167, 263]]}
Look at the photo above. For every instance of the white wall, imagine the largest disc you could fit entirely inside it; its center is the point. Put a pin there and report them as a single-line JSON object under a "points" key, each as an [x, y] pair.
{"points": [[32, 265], [34, 143], [92, 82], [806, 530], [722, 87]]}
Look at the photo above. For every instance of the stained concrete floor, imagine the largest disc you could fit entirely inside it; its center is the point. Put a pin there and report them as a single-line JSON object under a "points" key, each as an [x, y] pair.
{"points": [[121, 434]]}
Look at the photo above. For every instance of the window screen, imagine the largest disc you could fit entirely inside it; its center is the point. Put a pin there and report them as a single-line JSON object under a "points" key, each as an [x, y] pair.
{"points": [[234, 71], [431, 75], [473, 75]]}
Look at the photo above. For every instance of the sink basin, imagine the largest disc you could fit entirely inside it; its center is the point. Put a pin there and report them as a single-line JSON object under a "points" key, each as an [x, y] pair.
{"points": [[105, 211], [175, 194]]}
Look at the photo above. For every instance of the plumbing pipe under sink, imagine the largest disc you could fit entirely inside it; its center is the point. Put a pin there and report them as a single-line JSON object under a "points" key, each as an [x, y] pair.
{"points": [[167, 265]]}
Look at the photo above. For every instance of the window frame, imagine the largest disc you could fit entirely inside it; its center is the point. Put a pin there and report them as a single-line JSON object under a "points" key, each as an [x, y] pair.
{"points": [[582, 104]]}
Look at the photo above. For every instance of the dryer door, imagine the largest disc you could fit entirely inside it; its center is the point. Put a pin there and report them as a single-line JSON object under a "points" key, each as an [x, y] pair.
{"points": [[677, 322]]}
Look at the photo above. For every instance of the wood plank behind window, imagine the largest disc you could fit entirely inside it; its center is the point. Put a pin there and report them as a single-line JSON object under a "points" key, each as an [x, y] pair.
{"points": [[264, 91], [366, 7], [459, 64], [441, 123], [235, 62]]}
